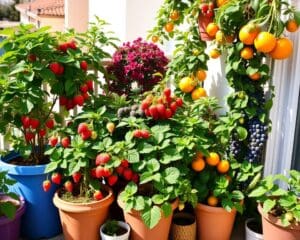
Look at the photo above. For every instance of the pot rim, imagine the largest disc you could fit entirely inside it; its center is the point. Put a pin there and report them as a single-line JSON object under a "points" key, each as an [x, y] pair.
{"points": [[120, 223], [207, 208]]}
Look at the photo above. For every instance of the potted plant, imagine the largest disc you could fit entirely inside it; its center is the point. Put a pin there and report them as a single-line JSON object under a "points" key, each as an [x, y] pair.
{"points": [[115, 230], [279, 206], [11, 210]]}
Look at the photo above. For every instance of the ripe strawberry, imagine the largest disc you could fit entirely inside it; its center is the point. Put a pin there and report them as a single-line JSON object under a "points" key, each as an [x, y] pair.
{"points": [[179, 102], [63, 100], [90, 83], [42, 132], [63, 47], [173, 107], [50, 123], [169, 100], [25, 121], [29, 136], [147, 112], [112, 180], [61, 70], [65, 142], [70, 104], [120, 170], [127, 174], [68, 186], [161, 110], [82, 127], [85, 96], [93, 173], [145, 133], [204, 8], [34, 123], [83, 65], [135, 178], [106, 172], [110, 127], [98, 195], [145, 104], [125, 163], [102, 158], [55, 67], [169, 113], [153, 112], [31, 57], [99, 171], [76, 177], [209, 13], [78, 100], [53, 141], [46, 185], [167, 92], [84, 88], [72, 45], [56, 178], [160, 100], [86, 135], [137, 133]]}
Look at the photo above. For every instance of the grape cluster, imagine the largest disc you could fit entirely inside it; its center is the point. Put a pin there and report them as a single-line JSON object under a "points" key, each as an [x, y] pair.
{"points": [[235, 148], [257, 138], [133, 111]]}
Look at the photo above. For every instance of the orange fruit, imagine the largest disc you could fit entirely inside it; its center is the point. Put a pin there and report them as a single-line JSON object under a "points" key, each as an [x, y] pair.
{"points": [[283, 49], [247, 53], [187, 84], [199, 155], [198, 93], [212, 29], [220, 3], [174, 15], [213, 159], [248, 33], [265, 42], [154, 39], [201, 75], [214, 53], [198, 164], [291, 25], [212, 201], [255, 76], [223, 166], [169, 27], [220, 37]]}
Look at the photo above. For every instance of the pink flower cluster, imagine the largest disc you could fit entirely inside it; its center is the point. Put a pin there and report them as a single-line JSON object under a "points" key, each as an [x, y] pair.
{"points": [[136, 65]]}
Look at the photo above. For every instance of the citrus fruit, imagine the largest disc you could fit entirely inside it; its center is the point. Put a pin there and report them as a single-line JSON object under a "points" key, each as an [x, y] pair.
{"points": [[214, 53], [201, 75], [220, 3], [220, 37], [212, 29], [248, 33], [223, 166], [283, 49], [291, 25], [213, 159], [255, 76], [212, 201], [174, 15], [198, 164], [265, 42], [247, 53], [187, 84], [198, 93], [169, 27], [154, 39]]}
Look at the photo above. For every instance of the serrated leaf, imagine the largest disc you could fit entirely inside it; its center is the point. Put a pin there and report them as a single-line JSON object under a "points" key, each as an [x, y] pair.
{"points": [[157, 199], [258, 192], [51, 167], [153, 165], [268, 205], [131, 188], [151, 216], [133, 156], [139, 203], [171, 175]]}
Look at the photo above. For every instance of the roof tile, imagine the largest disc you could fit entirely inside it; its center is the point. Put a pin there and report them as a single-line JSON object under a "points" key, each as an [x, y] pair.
{"points": [[44, 7]]}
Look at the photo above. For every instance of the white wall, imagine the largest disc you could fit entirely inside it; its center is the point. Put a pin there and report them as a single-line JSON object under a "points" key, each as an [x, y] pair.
{"points": [[76, 14]]}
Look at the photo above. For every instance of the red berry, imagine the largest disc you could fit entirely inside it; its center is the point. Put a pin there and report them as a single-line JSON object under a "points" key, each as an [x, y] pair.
{"points": [[179, 102], [145, 133], [153, 112], [86, 135], [46, 185], [169, 113], [98, 195], [83, 65], [68, 186], [106, 172], [29, 136], [112, 180], [85, 96], [147, 112], [127, 174], [53, 141], [167, 92], [70, 104], [72, 45], [145, 104], [42, 132], [93, 173], [56, 178], [209, 13], [102, 158], [160, 100], [125, 163], [61, 70], [173, 107], [90, 83], [50, 123], [65, 142], [55, 67], [82, 127], [120, 170], [78, 100], [161, 110], [63, 100], [135, 178], [137, 133], [99, 171], [84, 88], [25, 121], [31, 57], [76, 177], [63, 47], [34, 123], [204, 8]]}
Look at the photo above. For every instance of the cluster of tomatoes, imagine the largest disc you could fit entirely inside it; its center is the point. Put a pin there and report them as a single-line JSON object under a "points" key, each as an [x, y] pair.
{"points": [[207, 9]]}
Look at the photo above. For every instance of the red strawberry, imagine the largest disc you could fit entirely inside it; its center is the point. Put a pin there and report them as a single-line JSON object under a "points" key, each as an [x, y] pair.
{"points": [[90, 83], [55, 67], [68, 186], [61, 70], [102, 158], [78, 100], [42, 132], [112, 180], [169, 100], [83, 65], [167, 92], [106, 172], [125, 163], [85, 96], [137, 133], [70, 104], [169, 113], [46, 185], [135, 178], [76, 177], [63, 47], [31, 57], [29, 136], [82, 127], [86, 135], [99, 171], [173, 107], [50, 123], [209, 13], [145, 133], [65, 142], [63, 100], [34, 123], [127, 174], [25, 121], [204, 8], [147, 112], [72, 45], [110, 127], [120, 170], [97, 195], [161, 110], [56, 178], [145, 104], [84, 88], [93, 173], [153, 112], [53, 141], [179, 102]]}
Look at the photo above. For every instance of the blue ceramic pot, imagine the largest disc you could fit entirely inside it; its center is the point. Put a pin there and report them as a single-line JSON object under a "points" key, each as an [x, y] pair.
{"points": [[41, 219]]}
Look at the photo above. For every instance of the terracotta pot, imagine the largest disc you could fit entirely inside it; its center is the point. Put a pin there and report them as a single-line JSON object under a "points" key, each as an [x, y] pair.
{"points": [[208, 217], [83, 220], [183, 226], [273, 229], [202, 24], [139, 231]]}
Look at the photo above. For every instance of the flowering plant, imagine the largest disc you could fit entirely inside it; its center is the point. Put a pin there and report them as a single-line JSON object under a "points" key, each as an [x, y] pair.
{"points": [[140, 63]]}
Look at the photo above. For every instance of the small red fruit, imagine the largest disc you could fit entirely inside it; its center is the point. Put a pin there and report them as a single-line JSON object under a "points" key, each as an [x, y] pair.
{"points": [[93, 173], [72, 45], [50, 123], [63, 100], [125, 163], [147, 112], [112, 180], [120, 170], [209, 13], [90, 83], [204, 8], [31, 57], [34, 123], [82, 127], [106, 172], [65, 142], [46, 185], [55, 67], [63, 47], [76, 177], [145, 133], [127, 174], [86, 135], [85, 96], [145, 104], [68, 186], [97, 195], [42, 132], [84, 88], [78, 100], [161, 110], [29, 136], [102, 158], [167, 92], [99, 171], [83, 65], [153, 112], [110, 127], [25, 121], [179, 102], [169, 113], [56, 178], [135, 178], [173, 107], [53, 141], [70, 104], [137, 133]]}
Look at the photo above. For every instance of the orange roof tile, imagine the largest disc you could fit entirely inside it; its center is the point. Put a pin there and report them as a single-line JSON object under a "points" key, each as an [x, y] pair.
{"points": [[43, 7]]}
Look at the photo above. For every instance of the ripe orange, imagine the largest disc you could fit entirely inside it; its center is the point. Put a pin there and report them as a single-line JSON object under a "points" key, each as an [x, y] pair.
{"points": [[212, 201], [220, 3], [248, 33], [169, 27], [198, 164], [198, 93], [247, 53], [255, 76], [291, 25], [174, 15], [265, 42], [187, 84], [223, 166], [220, 37], [212, 29], [201, 75], [283, 49], [213, 159], [214, 53], [154, 38]]}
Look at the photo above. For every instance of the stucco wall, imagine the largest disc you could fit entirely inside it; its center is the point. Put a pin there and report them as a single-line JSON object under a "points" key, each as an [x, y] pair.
{"points": [[77, 14], [57, 24]]}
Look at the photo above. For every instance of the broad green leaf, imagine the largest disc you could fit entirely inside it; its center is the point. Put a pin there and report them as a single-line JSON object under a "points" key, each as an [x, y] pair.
{"points": [[131, 188], [259, 191], [242, 133], [133, 156], [268, 205], [139, 203], [8, 209], [167, 209], [51, 167], [151, 216], [157, 199], [153, 165], [171, 175]]}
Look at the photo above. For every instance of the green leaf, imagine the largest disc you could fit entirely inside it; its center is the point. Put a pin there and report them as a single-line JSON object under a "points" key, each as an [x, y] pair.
{"points": [[157, 199], [171, 175], [297, 17], [133, 156], [151, 216], [153, 165], [139, 204], [8, 209], [145, 148], [258, 192], [131, 188], [167, 209], [268, 205], [242, 133], [51, 167]]}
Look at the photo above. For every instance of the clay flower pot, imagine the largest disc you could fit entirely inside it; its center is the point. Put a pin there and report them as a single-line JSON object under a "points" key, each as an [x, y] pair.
{"points": [[183, 226], [273, 229], [83, 220], [207, 217], [203, 21], [139, 231]]}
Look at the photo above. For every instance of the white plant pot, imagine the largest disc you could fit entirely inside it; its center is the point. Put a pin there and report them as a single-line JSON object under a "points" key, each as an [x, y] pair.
{"points": [[125, 236], [250, 234]]}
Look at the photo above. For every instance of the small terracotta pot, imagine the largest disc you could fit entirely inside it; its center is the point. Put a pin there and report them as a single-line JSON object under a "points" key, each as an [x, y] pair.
{"points": [[83, 220], [208, 217], [203, 21], [185, 230], [139, 231], [273, 229]]}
